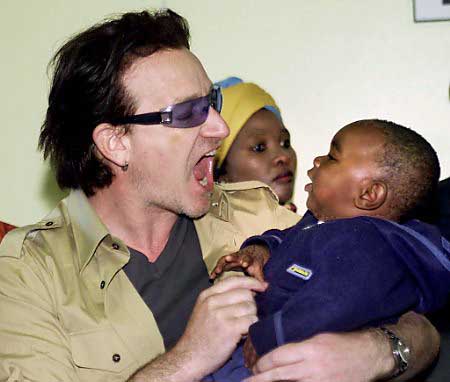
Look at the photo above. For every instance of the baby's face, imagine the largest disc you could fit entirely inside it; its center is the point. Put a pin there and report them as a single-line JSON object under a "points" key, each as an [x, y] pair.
{"points": [[338, 178]]}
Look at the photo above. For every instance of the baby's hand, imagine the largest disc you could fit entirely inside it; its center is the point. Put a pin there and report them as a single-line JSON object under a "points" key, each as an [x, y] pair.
{"points": [[250, 259]]}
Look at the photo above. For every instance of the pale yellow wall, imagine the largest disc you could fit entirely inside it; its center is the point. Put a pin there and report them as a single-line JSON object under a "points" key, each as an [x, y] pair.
{"points": [[327, 62]]}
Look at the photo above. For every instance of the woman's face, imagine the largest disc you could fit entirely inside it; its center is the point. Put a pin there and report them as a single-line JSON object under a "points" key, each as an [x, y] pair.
{"points": [[262, 151]]}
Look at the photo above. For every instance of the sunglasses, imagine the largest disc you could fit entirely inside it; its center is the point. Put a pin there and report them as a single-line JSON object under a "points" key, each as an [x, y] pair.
{"points": [[181, 115]]}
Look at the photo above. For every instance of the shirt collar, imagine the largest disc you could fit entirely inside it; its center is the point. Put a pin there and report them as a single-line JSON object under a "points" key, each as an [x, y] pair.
{"points": [[223, 202], [88, 230]]}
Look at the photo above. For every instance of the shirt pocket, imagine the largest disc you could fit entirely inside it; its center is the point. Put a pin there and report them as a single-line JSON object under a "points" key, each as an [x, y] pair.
{"points": [[100, 349]]}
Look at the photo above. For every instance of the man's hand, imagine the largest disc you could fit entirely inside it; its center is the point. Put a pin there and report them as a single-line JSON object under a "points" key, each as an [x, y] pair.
{"points": [[250, 259], [345, 357], [350, 357], [221, 316]]}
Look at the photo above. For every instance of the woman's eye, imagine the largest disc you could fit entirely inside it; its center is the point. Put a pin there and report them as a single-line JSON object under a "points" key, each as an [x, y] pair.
{"points": [[331, 157], [286, 143], [259, 148]]}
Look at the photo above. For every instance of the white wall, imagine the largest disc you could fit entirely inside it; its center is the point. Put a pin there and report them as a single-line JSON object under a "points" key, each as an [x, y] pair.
{"points": [[326, 62]]}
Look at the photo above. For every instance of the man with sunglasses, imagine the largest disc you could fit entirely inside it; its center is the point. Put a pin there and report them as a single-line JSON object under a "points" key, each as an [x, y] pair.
{"points": [[113, 284]]}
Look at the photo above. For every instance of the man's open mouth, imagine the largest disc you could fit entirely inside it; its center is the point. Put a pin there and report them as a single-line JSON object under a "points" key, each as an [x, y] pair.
{"points": [[203, 170]]}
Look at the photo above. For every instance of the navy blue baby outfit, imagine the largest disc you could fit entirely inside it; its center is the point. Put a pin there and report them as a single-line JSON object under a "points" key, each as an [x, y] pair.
{"points": [[342, 275]]}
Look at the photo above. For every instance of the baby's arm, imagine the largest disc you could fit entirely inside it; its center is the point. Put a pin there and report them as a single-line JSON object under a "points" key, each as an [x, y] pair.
{"points": [[354, 284]]}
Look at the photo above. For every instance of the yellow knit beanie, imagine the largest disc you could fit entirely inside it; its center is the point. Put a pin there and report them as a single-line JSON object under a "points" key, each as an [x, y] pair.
{"points": [[240, 102]]}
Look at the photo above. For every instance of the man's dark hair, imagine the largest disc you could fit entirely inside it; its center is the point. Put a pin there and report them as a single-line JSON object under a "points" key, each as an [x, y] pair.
{"points": [[87, 90], [411, 168]]}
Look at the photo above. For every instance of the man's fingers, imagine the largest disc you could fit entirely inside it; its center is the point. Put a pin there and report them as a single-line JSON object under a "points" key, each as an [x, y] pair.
{"points": [[284, 355], [222, 301], [282, 373], [234, 282], [240, 309], [245, 322]]}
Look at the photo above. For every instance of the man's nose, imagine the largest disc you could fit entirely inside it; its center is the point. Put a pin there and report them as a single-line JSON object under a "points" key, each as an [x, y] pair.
{"points": [[215, 126]]}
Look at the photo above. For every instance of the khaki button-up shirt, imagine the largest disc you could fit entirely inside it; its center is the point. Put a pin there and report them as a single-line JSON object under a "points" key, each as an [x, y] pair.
{"points": [[67, 310]]}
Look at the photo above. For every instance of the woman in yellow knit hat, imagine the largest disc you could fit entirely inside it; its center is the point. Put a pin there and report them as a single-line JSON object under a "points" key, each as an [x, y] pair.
{"points": [[258, 147]]}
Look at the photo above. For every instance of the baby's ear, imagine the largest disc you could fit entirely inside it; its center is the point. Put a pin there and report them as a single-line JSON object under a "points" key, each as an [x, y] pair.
{"points": [[372, 195]]}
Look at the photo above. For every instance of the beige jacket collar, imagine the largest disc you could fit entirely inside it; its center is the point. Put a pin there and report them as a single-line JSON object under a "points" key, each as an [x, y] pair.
{"points": [[88, 230]]}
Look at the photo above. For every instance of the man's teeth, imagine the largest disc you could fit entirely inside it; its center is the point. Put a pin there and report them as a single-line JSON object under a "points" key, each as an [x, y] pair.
{"points": [[203, 182], [211, 153]]}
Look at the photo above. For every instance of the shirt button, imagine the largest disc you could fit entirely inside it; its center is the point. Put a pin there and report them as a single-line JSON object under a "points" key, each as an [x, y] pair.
{"points": [[102, 284], [116, 358], [115, 246], [49, 224]]}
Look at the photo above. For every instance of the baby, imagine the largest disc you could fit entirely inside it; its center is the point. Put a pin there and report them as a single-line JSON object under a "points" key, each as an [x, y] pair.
{"points": [[357, 258]]}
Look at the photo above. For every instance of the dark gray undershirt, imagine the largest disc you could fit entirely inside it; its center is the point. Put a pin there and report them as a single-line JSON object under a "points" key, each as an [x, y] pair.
{"points": [[171, 285]]}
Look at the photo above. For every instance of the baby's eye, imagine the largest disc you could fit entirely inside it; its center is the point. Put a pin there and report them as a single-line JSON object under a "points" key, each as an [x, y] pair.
{"points": [[259, 148], [286, 143], [331, 157]]}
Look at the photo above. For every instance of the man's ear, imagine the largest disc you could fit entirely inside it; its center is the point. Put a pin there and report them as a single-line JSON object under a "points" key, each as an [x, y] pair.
{"points": [[372, 195], [112, 143]]}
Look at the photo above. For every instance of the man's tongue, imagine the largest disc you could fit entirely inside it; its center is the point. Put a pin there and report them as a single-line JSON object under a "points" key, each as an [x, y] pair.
{"points": [[203, 172]]}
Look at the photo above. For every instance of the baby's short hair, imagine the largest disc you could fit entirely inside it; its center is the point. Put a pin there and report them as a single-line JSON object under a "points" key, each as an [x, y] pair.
{"points": [[411, 169]]}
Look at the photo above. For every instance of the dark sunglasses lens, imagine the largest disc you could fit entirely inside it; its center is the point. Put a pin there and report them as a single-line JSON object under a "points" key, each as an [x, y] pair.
{"points": [[190, 113], [216, 99]]}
